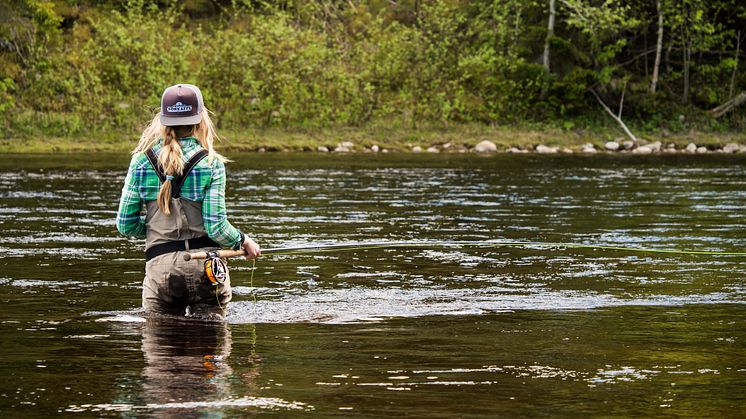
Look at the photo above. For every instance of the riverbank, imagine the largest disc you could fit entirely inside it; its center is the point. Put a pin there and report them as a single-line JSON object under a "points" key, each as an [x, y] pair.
{"points": [[455, 139]]}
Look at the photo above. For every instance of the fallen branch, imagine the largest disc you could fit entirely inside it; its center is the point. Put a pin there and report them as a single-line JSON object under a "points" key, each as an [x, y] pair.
{"points": [[617, 118], [728, 106]]}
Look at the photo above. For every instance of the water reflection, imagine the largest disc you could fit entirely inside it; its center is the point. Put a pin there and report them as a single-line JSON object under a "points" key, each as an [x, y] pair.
{"points": [[189, 373], [185, 361]]}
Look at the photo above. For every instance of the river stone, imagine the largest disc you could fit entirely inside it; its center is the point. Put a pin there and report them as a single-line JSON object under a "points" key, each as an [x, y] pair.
{"points": [[433, 149], [691, 148], [566, 150], [701, 150], [542, 149], [588, 148], [731, 148], [322, 149], [374, 148], [485, 147], [654, 146], [340, 149], [347, 144], [628, 145], [612, 146], [645, 149], [446, 146], [416, 149], [516, 150]]}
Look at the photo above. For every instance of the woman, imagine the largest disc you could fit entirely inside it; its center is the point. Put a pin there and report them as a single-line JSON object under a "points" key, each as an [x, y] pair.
{"points": [[179, 179]]}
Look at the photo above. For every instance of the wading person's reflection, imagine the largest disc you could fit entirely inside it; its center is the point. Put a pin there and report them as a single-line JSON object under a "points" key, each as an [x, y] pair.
{"points": [[185, 363]]}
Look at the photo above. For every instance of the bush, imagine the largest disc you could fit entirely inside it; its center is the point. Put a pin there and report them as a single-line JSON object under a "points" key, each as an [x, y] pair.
{"points": [[327, 64]]}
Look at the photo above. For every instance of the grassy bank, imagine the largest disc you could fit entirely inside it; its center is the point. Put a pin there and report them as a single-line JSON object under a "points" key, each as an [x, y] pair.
{"points": [[395, 139]]}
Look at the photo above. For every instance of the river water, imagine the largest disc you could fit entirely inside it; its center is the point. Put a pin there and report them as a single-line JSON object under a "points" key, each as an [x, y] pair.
{"points": [[425, 332]]}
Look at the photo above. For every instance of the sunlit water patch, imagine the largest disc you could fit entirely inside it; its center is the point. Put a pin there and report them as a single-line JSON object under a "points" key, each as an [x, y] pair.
{"points": [[270, 403], [359, 304]]}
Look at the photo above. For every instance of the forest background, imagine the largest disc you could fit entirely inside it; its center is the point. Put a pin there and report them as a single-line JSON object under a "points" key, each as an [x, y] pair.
{"points": [[299, 74]]}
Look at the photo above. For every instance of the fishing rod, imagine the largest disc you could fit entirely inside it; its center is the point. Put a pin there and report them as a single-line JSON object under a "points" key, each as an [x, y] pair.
{"points": [[309, 248], [314, 248]]}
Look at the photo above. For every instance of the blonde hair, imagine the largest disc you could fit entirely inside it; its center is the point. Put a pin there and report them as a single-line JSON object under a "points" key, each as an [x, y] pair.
{"points": [[171, 157]]}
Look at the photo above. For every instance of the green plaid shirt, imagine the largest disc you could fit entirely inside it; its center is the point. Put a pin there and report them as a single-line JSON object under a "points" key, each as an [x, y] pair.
{"points": [[205, 183]]}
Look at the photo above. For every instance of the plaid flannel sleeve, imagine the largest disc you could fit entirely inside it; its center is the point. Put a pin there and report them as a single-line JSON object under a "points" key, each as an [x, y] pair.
{"points": [[129, 220], [214, 213]]}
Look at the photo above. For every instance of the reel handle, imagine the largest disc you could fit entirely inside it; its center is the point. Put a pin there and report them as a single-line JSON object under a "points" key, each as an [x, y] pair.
{"points": [[220, 253]]}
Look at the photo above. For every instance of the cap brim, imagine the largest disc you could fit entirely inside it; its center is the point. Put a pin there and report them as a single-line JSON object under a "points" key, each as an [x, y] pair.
{"points": [[173, 121]]}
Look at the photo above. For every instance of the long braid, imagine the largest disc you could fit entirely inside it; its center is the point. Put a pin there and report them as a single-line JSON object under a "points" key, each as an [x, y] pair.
{"points": [[171, 156], [172, 162]]}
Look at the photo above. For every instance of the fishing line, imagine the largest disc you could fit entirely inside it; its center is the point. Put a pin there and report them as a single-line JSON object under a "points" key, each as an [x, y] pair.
{"points": [[251, 281], [251, 286], [217, 297], [317, 248]]}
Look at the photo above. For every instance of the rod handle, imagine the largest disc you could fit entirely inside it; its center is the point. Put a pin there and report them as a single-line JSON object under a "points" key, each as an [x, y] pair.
{"points": [[221, 253]]}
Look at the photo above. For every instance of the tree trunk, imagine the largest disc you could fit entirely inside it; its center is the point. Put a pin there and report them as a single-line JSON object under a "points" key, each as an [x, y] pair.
{"points": [[668, 56], [728, 106], [658, 48], [645, 40], [550, 33], [735, 67], [686, 40], [517, 27], [687, 66], [617, 118]]}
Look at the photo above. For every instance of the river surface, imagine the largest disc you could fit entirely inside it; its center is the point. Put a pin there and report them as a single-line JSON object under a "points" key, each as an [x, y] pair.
{"points": [[424, 332]]}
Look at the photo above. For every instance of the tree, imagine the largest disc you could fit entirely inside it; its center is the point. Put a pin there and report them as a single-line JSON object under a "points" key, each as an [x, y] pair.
{"points": [[658, 46], [550, 33], [603, 25]]}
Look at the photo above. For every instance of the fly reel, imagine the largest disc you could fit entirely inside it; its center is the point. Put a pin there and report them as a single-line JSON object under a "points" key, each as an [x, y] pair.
{"points": [[216, 269]]}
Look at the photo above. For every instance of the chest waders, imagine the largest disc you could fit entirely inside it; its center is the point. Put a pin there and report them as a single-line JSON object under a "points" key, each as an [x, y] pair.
{"points": [[183, 228], [172, 285]]}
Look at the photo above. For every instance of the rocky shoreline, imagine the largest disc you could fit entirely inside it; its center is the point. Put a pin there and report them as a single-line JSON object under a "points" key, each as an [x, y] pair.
{"points": [[619, 146], [458, 139]]}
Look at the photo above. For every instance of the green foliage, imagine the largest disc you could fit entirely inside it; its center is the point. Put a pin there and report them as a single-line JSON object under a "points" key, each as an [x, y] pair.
{"points": [[38, 124], [29, 28], [6, 94], [599, 20], [95, 67]]}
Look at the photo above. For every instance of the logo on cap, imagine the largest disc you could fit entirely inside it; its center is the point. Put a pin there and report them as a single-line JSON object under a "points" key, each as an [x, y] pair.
{"points": [[179, 107]]}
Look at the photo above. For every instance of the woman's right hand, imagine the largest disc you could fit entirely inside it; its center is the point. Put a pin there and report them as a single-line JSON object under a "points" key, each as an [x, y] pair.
{"points": [[251, 247]]}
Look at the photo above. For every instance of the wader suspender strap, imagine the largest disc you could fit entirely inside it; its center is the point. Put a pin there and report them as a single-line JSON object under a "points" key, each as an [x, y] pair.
{"points": [[178, 180]]}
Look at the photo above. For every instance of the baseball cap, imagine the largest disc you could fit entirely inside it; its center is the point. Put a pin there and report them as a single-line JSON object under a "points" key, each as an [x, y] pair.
{"points": [[181, 104]]}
